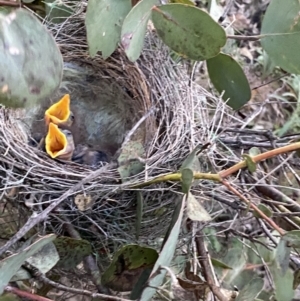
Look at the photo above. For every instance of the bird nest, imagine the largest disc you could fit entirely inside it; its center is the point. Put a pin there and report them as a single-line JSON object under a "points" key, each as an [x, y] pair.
{"points": [[146, 115]]}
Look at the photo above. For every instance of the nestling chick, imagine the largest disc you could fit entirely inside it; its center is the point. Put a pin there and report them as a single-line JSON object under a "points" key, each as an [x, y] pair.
{"points": [[60, 113], [84, 155], [59, 143]]}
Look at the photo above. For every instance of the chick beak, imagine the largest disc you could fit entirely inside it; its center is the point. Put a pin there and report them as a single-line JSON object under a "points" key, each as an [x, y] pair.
{"points": [[60, 113], [59, 143]]}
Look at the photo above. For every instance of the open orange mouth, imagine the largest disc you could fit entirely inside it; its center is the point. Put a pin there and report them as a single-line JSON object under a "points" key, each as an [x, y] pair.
{"points": [[60, 113], [56, 142]]}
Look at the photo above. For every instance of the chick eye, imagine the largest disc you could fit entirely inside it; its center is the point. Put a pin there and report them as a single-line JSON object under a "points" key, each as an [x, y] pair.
{"points": [[72, 117]]}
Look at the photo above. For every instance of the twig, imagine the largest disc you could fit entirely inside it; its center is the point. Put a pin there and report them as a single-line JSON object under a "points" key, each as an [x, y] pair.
{"points": [[260, 157], [24, 294], [10, 3], [223, 174], [207, 271], [132, 131], [267, 219], [37, 274]]}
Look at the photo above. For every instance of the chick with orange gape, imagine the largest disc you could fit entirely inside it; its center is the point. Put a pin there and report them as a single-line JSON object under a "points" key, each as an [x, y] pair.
{"points": [[60, 113], [59, 143]]}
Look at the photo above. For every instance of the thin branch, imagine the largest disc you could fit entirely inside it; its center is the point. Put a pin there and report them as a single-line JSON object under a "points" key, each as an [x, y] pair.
{"points": [[40, 276], [24, 294], [10, 3], [254, 207], [207, 270], [260, 157]]}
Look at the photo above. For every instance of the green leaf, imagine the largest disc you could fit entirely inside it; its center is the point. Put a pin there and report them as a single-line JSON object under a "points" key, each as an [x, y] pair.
{"points": [[103, 21], [58, 11], [44, 260], [219, 264], [165, 256], [175, 216], [282, 256], [197, 36], [71, 251], [227, 75], [139, 213], [190, 165], [10, 265], [266, 210], [283, 283], [250, 163], [129, 165], [254, 151], [281, 30], [127, 267], [195, 211], [187, 178], [191, 161], [30, 62], [134, 28], [251, 290], [292, 238]]}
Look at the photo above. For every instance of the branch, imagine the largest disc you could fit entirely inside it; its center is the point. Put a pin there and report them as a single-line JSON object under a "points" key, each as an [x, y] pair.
{"points": [[207, 270], [24, 294], [251, 205]]}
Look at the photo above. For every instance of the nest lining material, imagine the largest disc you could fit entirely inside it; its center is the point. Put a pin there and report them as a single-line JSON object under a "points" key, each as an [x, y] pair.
{"points": [[184, 116]]}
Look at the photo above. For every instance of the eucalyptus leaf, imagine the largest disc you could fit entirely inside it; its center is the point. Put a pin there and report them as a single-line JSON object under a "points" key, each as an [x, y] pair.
{"points": [[228, 76], [264, 209], [187, 178], [134, 28], [251, 165], [165, 257], [251, 290], [71, 251], [129, 264], [30, 62], [281, 34], [282, 255], [192, 161], [58, 11], [197, 36], [10, 265], [220, 264], [292, 238], [44, 260], [103, 21], [283, 283], [129, 165]]}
